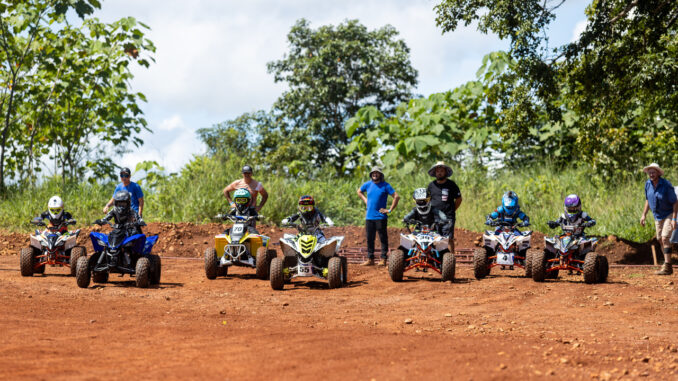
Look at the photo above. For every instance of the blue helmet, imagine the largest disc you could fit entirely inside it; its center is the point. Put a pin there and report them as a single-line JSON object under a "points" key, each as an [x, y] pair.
{"points": [[509, 201]]}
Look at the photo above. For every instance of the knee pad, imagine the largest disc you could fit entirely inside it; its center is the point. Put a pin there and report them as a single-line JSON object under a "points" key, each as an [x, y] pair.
{"points": [[667, 250]]}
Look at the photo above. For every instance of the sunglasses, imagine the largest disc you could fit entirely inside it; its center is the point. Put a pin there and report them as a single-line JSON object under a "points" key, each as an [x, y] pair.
{"points": [[124, 176]]}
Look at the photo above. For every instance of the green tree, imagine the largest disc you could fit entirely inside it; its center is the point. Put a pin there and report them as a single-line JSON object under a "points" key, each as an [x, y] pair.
{"points": [[331, 73], [616, 83]]}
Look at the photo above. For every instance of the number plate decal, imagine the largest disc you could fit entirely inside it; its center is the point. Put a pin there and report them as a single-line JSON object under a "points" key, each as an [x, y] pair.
{"points": [[505, 259], [304, 270], [237, 229]]}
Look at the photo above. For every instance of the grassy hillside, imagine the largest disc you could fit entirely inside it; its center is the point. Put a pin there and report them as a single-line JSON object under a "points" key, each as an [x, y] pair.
{"points": [[195, 195]]}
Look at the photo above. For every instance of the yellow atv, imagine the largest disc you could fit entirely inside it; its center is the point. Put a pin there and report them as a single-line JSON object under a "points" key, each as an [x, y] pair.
{"points": [[309, 254], [238, 247]]}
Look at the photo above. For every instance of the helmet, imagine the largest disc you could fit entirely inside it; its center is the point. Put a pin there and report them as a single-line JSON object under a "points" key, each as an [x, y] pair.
{"points": [[422, 197], [509, 202], [122, 201], [242, 198], [572, 206], [55, 206], [306, 206]]}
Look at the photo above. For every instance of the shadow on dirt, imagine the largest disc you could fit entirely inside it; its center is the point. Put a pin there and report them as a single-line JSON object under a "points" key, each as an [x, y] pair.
{"points": [[132, 284], [319, 285], [432, 279]]}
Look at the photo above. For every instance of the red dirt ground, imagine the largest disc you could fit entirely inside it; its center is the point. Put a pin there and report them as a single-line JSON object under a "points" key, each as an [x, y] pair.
{"points": [[503, 327]]}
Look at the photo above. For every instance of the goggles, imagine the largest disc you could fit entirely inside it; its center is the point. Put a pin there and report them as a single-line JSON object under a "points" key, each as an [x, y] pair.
{"points": [[242, 200], [421, 202], [306, 208], [573, 209], [55, 210]]}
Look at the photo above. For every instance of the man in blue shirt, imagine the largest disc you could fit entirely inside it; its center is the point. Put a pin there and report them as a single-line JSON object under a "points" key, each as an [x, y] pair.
{"points": [[375, 195], [137, 195], [661, 198]]}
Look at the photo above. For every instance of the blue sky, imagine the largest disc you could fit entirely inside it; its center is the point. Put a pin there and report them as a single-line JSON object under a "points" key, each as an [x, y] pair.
{"points": [[211, 57]]}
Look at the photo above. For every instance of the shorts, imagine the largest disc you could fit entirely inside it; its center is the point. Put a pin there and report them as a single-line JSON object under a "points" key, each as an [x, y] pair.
{"points": [[664, 229]]}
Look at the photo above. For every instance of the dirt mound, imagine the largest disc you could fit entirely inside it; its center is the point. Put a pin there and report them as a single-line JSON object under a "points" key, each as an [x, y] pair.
{"points": [[190, 240]]}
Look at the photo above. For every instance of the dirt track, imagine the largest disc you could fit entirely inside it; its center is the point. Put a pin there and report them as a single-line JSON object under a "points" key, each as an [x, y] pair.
{"points": [[503, 327]]}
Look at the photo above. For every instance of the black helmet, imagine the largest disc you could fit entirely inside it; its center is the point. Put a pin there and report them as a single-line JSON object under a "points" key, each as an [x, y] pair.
{"points": [[122, 201]]}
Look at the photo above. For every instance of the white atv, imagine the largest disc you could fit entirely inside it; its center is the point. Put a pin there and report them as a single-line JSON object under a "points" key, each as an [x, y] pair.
{"points": [[421, 250], [309, 254], [505, 247]]}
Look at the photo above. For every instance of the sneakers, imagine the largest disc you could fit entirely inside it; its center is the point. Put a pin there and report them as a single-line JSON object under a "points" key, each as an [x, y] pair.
{"points": [[667, 269], [382, 262], [368, 262]]}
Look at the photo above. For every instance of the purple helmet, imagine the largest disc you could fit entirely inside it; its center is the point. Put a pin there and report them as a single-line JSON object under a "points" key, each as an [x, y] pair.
{"points": [[572, 206]]}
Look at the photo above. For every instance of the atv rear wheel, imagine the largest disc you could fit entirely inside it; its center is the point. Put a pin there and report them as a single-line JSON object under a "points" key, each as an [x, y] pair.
{"points": [[263, 263], [528, 264], [82, 272], [100, 276], [480, 264], [334, 272], [26, 260], [396, 265], [344, 269], [553, 274], [143, 272], [222, 270], [76, 252], [449, 266], [591, 268], [211, 263], [539, 266], [277, 277], [603, 268], [157, 269]]}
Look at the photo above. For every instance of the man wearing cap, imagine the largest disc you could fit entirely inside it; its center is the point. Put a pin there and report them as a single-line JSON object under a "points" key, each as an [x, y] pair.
{"points": [[661, 198], [445, 196], [374, 194], [251, 185], [136, 194]]}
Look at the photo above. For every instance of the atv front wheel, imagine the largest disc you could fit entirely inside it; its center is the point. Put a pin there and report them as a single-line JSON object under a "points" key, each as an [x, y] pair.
{"points": [[276, 275], [157, 269], [211, 263], [480, 264], [591, 268], [76, 252], [528, 264], [603, 268], [539, 266], [26, 261], [334, 267], [82, 272], [263, 263], [143, 272], [449, 265], [396, 265]]}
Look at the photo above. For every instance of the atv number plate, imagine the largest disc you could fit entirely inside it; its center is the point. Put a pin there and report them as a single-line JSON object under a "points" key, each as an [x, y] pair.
{"points": [[305, 269], [237, 229], [505, 259]]}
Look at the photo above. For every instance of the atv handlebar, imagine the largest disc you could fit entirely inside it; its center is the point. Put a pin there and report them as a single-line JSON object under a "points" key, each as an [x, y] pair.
{"points": [[237, 218]]}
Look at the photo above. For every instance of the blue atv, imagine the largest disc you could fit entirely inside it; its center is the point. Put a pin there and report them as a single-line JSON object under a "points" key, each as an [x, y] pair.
{"points": [[123, 251]]}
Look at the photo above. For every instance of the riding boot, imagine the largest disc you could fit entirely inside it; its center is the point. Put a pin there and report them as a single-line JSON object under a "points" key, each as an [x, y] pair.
{"points": [[667, 269]]}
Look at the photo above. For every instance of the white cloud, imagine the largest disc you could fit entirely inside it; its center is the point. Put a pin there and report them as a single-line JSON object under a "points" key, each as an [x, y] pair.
{"points": [[579, 28], [171, 123]]}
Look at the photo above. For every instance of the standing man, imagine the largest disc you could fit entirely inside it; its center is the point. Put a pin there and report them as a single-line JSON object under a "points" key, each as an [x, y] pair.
{"points": [[136, 194], [374, 194], [661, 198], [445, 196], [251, 185]]}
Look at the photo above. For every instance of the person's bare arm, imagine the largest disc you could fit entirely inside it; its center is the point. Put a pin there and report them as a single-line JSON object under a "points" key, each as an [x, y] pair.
{"points": [[645, 209], [675, 215], [141, 207], [457, 202], [362, 196], [108, 205], [394, 203], [264, 197]]}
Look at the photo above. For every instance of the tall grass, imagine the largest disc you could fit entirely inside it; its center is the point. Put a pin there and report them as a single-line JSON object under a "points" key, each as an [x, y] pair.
{"points": [[195, 195]]}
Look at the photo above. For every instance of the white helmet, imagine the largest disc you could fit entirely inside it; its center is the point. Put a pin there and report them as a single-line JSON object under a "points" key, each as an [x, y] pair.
{"points": [[55, 206]]}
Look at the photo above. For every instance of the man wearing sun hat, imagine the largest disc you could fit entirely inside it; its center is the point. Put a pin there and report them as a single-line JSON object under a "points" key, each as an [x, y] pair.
{"points": [[445, 196], [661, 198]]}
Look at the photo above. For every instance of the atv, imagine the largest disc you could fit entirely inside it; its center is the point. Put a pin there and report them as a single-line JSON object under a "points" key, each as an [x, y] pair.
{"points": [[570, 252], [309, 254], [505, 247], [124, 251], [238, 247], [421, 250], [51, 247]]}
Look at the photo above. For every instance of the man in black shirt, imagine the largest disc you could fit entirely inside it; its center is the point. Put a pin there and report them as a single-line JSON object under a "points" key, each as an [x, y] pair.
{"points": [[445, 196]]}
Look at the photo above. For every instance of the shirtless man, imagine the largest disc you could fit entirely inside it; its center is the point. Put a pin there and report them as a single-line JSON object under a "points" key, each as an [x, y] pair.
{"points": [[251, 185]]}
